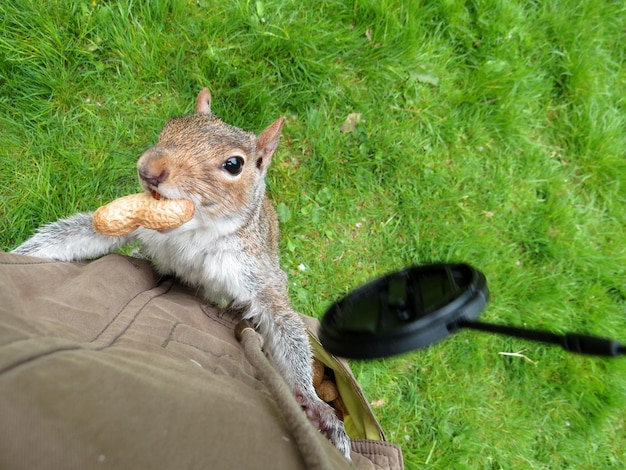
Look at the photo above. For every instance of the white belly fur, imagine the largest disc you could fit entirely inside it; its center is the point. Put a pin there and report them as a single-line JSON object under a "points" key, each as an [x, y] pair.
{"points": [[201, 259]]}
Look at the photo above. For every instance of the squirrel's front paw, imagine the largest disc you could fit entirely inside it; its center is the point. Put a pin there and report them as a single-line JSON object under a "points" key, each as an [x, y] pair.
{"points": [[40, 246], [324, 418]]}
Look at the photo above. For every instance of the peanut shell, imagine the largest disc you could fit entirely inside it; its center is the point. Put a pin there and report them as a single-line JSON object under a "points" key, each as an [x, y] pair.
{"points": [[340, 407], [128, 213], [327, 391], [318, 372]]}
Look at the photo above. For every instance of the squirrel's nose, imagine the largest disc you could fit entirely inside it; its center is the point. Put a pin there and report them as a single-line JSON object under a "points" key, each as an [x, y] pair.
{"points": [[153, 180]]}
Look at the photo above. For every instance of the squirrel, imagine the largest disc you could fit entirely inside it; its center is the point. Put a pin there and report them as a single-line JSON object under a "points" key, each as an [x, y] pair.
{"points": [[229, 249]]}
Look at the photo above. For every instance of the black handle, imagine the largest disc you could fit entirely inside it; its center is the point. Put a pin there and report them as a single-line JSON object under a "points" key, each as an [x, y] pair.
{"points": [[573, 342]]}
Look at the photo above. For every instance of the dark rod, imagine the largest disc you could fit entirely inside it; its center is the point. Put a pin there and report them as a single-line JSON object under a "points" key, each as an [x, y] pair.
{"points": [[582, 344]]}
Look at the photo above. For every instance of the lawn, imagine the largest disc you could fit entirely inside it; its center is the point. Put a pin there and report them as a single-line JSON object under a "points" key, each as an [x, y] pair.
{"points": [[489, 132]]}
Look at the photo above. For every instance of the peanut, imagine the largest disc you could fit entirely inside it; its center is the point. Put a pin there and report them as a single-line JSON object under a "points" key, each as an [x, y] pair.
{"points": [[341, 410], [327, 391], [318, 372], [127, 213]]}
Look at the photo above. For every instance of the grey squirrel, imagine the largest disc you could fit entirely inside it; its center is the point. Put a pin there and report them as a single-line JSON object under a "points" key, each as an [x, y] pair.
{"points": [[230, 247]]}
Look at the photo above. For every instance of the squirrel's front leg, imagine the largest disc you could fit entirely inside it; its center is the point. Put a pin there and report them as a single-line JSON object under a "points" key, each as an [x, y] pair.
{"points": [[287, 341], [70, 239]]}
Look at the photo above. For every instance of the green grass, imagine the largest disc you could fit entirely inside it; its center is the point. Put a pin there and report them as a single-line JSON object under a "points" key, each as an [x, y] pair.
{"points": [[491, 132]]}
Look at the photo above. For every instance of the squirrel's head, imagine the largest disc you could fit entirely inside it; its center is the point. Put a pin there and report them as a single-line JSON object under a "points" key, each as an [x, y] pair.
{"points": [[219, 167]]}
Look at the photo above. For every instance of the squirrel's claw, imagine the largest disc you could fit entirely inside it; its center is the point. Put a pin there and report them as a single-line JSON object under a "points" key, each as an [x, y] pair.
{"points": [[325, 420]]}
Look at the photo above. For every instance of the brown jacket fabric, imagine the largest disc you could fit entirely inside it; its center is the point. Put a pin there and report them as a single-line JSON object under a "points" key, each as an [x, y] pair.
{"points": [[104, 365]]}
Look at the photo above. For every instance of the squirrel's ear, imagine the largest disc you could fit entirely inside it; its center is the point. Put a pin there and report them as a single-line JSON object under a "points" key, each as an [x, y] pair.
{"points": [[203, 102], [267, 143]]}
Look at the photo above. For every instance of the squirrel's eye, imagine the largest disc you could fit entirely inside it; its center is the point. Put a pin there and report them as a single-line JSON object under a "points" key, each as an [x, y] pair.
{"points": [[233, 165]]}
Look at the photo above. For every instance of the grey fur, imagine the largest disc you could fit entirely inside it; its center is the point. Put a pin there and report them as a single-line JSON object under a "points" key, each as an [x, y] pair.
{"points": [[229, 249]]}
